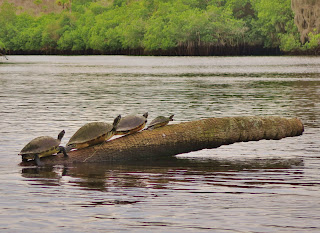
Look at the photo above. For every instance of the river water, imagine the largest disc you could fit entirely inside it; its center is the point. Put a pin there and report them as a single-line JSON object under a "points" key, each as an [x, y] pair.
{"points": [[264, 186]]}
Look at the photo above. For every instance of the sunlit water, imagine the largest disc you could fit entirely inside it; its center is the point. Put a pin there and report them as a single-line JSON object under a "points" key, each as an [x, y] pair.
{"points": [[264, 186]]}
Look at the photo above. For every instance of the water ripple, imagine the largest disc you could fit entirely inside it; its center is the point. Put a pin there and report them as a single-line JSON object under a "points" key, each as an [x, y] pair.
{"points": [[264, 186]]}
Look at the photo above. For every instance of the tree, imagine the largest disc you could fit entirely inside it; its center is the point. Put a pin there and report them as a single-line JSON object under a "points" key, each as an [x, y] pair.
{"points": [[107, 25], [2, 45], [274, 18], [178, 24]]}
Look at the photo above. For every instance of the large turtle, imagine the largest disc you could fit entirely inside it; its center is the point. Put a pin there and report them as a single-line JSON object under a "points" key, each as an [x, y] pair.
{"points": [[41, 147], [131, 124], [92, 133], [160, 121]]}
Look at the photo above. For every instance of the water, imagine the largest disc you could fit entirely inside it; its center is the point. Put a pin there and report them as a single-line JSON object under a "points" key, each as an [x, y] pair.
{"points": [[264, 186]]}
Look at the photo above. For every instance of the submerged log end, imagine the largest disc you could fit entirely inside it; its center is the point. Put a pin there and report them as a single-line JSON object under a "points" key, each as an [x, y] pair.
{"points": [[184, 137]]}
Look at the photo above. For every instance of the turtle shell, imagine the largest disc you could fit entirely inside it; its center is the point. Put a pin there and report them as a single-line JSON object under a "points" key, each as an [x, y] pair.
{"points": [[131, 124], [40, 145], [89, 132], [160, 121]]}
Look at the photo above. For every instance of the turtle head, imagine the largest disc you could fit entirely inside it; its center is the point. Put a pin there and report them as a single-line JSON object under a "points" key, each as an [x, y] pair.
{"points": [[69, 147], [145, 115], [116, 121], [61, 134], [171, 117]]}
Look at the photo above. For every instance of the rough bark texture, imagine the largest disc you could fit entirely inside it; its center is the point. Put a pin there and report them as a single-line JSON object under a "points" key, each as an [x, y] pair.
{"points": [[184, 137], [307, 17]]}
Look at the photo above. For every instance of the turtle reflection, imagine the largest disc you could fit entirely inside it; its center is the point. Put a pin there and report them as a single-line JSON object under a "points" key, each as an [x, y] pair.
{"points": [[48, 176], [151, 174]]}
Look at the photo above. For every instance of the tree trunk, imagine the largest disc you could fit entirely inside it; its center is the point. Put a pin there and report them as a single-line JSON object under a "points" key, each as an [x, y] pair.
{"points": [[182, 138]]}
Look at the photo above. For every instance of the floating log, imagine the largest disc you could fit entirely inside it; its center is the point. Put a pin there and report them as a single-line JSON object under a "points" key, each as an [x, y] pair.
{"points": [[182, 138]]}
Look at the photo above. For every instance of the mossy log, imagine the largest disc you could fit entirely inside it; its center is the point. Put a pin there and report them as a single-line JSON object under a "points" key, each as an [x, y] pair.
{"points": [[182, 138]]}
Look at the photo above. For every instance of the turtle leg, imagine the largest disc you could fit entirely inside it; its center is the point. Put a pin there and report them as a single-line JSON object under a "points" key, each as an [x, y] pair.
{"points": [[63, 150], [37, 160]]}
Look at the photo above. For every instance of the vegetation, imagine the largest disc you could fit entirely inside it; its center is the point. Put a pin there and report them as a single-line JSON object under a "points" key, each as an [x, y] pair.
{"points": [[2, 45], [170, 27]]}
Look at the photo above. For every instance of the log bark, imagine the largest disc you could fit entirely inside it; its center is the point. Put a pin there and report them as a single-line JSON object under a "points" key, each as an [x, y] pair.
{"points": [[182, 138]]}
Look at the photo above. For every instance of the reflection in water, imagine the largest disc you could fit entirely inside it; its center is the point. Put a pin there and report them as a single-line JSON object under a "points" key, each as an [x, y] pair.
{"points": [[236, 188], [157, 174]]}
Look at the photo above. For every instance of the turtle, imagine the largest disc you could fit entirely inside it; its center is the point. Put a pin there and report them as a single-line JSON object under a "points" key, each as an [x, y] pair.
{"points": [[41, 147], [131, 124], [92, 133], [160, 121]]}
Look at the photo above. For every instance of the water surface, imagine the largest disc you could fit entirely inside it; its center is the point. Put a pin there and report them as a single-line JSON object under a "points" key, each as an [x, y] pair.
{"points": [[264, 186]]}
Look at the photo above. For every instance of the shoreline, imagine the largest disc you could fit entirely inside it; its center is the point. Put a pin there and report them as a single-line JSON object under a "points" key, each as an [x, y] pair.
{"points": [[177, 51], [171, 52]]}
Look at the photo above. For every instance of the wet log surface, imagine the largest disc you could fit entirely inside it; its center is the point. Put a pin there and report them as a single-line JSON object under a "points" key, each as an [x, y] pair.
{"points": [[182, 138]]}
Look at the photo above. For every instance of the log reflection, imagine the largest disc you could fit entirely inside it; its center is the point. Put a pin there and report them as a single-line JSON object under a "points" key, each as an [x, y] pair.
{"points": [[151, 174]]}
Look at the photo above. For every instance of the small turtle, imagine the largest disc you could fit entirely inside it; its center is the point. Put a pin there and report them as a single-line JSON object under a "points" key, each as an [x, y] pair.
{"points": [[92, 133], [160, 121], [41, 147], [131, 124]]}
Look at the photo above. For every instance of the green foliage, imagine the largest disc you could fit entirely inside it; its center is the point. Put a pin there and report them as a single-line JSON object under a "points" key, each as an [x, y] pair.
{"points": [[2, 45], [112, 25], [7, 21], [289, 42], [176, 23], [7, 13], [314, 41], [25, 37], [119, 3], [37, 2], [273, 17], [119, 27], [162, 29]]}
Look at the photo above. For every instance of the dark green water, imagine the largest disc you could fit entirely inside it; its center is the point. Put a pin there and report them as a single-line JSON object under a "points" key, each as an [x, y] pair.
{"points": [[264, 186]]}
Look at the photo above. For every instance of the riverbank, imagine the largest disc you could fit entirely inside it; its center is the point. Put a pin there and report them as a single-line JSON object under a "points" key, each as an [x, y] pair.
{"points": [[212, 51], [159, 28], [178, 51]]}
